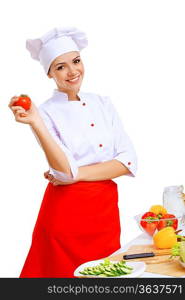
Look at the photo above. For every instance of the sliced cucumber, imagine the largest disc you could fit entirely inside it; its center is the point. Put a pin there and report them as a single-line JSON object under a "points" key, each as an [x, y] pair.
{"points": [[108, 269]]}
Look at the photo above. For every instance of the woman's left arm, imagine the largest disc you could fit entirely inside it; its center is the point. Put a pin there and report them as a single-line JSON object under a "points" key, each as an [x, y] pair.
{"points": [[102, 171]]}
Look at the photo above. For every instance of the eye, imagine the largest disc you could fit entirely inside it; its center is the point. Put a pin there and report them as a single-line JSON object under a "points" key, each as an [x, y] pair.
{"points": [[60, 67], [77, 61]]}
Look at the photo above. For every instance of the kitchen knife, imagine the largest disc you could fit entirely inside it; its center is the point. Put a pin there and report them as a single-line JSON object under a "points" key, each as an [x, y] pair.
{"points": [[139, 255]]}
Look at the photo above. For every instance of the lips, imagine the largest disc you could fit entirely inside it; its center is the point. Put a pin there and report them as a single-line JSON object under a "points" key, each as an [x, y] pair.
{"points": [[74, 80]]}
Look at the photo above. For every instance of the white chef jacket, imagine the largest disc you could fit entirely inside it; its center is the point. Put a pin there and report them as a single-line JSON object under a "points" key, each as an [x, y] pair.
{"points": [[89, 131]]}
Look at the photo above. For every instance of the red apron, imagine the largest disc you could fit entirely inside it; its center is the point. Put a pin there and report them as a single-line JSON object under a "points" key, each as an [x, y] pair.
{"points": [[76, 223]]}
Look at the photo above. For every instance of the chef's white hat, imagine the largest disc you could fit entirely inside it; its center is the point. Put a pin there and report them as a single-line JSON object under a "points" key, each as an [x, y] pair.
{"points": [[55, 43]]}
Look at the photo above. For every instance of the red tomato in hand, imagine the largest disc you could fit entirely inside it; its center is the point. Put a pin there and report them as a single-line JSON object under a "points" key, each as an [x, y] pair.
{"points": [[24, 101], [149, 222], [164, 222]]}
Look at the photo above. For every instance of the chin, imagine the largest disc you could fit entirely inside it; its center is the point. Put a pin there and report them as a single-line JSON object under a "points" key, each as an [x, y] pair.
{"points": [[76, 87]]}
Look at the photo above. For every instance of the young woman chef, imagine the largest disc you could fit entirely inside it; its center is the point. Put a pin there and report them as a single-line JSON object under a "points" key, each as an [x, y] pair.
{"points": [[86, 147]]}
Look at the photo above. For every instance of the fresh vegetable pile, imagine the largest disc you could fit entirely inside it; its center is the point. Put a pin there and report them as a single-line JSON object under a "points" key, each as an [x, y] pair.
{"points": [[157, 218], [108, 269], [179, 250]]}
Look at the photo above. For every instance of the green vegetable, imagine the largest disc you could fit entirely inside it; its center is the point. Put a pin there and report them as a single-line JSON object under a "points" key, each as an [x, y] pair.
{"points": [[175, 249], [108, 269], [182, 251], [106, 262], [179, 250]]}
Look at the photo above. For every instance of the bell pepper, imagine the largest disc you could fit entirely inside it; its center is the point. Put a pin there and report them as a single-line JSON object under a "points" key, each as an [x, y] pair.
{"points": [[168, 220], [149, 222], [159, 210], [165, 238]]}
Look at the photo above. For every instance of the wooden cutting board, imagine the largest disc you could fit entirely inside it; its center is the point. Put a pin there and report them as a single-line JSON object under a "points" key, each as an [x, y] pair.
{"points": [[159, 264]]}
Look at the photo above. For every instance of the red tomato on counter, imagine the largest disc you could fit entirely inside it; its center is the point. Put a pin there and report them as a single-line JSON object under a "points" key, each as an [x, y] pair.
{"points": [[165, 222], [149, 222], [24, 101]]}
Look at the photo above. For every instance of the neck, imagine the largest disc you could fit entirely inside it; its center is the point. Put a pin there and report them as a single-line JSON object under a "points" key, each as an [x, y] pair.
{"points": [[73, 96]]}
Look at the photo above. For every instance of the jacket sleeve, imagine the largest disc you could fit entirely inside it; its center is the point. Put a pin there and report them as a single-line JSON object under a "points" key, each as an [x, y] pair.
{"points": [[123, 147], [56, 136]]}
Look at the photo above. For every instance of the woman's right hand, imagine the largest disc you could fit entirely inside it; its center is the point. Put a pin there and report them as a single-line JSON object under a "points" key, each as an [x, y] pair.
{"points": [[55, 181], [30, 116]]}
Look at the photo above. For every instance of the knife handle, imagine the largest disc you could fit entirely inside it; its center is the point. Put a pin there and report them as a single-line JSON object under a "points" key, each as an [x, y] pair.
{"points": [[138, 255]]}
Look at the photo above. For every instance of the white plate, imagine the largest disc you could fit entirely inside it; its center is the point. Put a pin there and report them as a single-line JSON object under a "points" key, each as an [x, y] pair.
{"points": [[138, 269]]}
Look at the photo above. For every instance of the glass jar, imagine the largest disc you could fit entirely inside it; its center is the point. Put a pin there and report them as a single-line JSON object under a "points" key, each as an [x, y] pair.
{"points": [[173, 200]]}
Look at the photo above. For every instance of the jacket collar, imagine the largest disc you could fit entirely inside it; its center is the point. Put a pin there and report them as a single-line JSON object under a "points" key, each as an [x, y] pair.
{"points": [[63, 96]]}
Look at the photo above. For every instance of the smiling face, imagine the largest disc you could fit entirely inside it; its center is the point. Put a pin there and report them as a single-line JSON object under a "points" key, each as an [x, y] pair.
{"points": [[67, 70]]}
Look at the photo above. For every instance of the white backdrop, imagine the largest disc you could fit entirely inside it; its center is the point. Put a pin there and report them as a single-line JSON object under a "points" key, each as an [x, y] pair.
{"points": [[136, 55]]}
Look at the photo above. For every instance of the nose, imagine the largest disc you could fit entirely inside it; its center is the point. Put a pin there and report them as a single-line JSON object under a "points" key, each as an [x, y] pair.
{"points": [[71, 70]]}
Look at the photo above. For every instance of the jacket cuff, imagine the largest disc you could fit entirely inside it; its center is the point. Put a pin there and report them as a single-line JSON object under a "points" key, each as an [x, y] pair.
{"points": [[129, 162], [63, 176]]}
